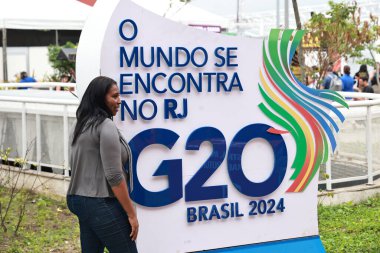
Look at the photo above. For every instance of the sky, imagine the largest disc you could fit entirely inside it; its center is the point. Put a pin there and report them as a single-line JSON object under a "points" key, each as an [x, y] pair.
{"points": [[252, 11], [228, 7]]}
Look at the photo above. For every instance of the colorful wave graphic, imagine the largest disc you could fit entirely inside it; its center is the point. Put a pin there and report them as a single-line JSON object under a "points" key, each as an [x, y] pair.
{"points": [[301, 110]]}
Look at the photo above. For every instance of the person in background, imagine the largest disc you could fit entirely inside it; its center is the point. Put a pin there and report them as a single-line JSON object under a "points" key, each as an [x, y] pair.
{"points": [[24, 78], [98, 192], [363, 72], [64, 79], [328, 79], [374, 78], [364, 85], [348, 81], [315, 76], [73, 78], [309, 82]]}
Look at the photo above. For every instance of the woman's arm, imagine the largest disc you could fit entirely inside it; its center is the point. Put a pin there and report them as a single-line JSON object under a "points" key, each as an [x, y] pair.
{"points": [[122, 195], [110, 154]]}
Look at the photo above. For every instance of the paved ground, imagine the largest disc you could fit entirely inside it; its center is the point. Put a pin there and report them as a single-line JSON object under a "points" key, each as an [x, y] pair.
{"points": [[346, 169], [343, 169]]}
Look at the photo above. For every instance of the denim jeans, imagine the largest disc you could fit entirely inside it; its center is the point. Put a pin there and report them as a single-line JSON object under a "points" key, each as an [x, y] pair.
{"points": [[103, 223]]}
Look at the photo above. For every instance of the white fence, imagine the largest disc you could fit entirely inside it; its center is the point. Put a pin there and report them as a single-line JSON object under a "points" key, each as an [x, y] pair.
{"points": [[38, 128], [37, 85], [356, 158]]}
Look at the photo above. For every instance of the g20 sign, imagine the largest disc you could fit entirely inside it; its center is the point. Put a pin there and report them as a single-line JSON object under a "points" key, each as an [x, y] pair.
{"points": [[194, 189], [226, 142]]}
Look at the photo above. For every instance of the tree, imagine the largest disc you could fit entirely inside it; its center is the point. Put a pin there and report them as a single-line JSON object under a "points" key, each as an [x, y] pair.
{"points": [[340, 33], [60, 66]]}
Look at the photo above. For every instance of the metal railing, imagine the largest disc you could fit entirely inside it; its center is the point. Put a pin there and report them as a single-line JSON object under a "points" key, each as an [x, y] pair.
{"points": [[37, 85], [38, 107], [362, 112]]}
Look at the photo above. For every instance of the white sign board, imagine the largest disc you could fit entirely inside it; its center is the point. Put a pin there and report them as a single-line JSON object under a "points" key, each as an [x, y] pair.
{"points": [[226, 141]]}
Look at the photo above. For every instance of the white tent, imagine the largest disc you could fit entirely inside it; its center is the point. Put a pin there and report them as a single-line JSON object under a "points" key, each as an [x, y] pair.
{"points": [[43, 14], [71, 14], [39, 15]]}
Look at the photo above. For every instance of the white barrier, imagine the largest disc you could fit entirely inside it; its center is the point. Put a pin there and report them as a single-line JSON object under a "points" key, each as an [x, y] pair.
{"points": [[29, 108], [37, 85], [54, 111], [365, 111]]}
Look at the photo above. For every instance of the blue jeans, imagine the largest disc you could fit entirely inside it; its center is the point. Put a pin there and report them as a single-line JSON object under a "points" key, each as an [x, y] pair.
{"points": [[103, 223]]}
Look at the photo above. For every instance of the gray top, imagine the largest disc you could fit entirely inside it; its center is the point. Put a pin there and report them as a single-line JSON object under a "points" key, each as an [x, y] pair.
{"points": [[96, 161]]}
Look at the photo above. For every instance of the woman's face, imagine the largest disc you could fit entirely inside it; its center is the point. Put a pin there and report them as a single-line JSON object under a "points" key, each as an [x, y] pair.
{"points": [[113, 99]]}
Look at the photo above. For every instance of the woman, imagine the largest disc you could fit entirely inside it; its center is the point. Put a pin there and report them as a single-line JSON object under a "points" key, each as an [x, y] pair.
{"points": [[363, 72], [98, 193]]}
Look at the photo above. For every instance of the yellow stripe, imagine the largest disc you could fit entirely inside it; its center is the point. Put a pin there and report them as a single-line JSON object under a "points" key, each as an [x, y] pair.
{"points": [[300, 120]]}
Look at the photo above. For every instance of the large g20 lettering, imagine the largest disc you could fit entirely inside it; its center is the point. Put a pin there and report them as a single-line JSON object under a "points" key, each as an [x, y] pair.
{"points": [[194, 188]]}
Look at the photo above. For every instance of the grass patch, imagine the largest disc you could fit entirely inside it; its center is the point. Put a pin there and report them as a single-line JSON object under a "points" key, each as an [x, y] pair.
{"points": [[48, 226], [351, 228]]}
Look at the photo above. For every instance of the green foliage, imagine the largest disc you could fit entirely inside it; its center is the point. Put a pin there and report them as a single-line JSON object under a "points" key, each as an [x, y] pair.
{"points": [[341, 33], [4, 154], [48, 227], [351, 228], [366, 61], [371, 61], [60, 66]]}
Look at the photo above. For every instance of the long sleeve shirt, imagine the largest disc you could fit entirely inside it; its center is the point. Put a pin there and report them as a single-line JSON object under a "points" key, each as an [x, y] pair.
{"points": [[96, 161]]}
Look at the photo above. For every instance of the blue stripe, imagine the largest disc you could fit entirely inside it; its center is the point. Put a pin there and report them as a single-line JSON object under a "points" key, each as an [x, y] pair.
{"points": [[301, 101], [301, 245]]}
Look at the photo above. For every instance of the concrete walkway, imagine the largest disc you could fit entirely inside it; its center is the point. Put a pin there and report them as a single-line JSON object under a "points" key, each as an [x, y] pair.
{"points": [[354, 193]]}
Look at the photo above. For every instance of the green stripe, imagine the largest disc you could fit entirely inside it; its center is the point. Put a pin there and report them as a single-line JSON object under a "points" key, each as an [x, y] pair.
{"points": [[320, 158], [294, 129], [286, 35]]}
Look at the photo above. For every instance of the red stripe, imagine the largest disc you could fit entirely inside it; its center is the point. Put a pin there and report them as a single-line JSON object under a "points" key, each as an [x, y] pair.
{"points": [[88, 2], [314, 127], [276, 131]]}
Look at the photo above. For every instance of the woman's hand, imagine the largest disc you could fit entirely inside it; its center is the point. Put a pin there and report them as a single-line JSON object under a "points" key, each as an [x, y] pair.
{"points": [[122, 195], [135, 227]]}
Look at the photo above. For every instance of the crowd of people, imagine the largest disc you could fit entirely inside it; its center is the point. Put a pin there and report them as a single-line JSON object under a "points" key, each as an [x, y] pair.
{"points": [[23, 77], [362, 81]]}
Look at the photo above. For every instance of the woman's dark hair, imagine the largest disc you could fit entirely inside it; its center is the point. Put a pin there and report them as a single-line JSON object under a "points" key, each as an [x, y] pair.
{"points": [[92, 110], [23, 75], [347, 70], [363, 68]]}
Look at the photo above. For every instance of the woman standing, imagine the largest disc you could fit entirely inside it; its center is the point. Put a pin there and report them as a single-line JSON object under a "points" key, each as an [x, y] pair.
{"points": [[363, 72], [98, 193]]}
